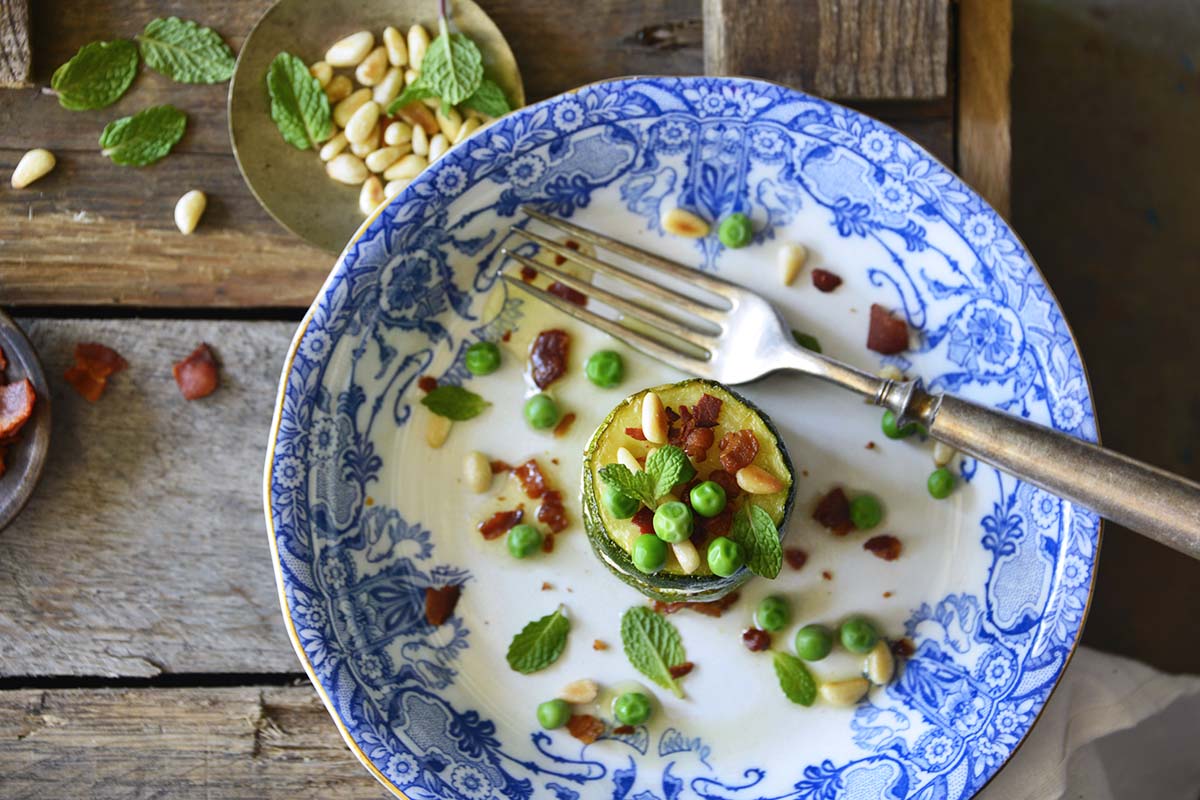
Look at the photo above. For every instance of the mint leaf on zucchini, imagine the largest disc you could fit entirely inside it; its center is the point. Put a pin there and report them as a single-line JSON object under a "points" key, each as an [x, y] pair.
{"points": [[96, 76], [454, 402], [667, 466], [637, 485], [653, 645], [185, 51], [540, 643], [145, 137], [755, 531], [298, 104], [794, 679]]}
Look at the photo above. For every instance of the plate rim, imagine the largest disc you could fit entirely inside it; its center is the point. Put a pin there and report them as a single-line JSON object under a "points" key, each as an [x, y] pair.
{"points": [[43, 420]]}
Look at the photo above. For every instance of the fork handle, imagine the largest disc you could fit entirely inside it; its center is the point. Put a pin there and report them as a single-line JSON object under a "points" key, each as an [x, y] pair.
{"points": [[1159, 505]]}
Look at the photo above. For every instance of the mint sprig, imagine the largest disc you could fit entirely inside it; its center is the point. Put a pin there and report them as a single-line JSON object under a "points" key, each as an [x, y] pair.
{"points": [[653, 645], [453, 66], [540, 643], [454, 402], [665, 467], [298, 103], [185, 51], [489, 99], [795, 680], [96, 76], [755, 531], [145, 137]]}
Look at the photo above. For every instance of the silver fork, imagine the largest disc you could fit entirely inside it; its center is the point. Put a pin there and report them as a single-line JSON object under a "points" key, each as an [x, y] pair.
{"points": [[734, 336]]}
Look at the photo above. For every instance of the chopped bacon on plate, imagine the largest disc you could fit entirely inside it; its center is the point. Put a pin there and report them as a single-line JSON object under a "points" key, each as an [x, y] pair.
{"points": [[94, 365], [197, 374], [833, 511], [440, 603], [887, 334], [16, 406]]}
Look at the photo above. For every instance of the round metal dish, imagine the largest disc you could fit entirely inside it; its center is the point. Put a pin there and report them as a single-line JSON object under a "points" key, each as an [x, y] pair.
{"points": [[26, 456]]}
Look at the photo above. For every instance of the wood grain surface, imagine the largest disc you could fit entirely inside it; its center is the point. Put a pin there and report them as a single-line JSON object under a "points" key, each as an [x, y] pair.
{"points": [[251, 743], [984, 107], [143, 550], [15, 57]]}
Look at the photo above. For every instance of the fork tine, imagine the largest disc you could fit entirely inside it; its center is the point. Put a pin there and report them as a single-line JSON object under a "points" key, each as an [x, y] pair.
{"points": [[642, 313], [637, 341], [708, 282], [675, 299]]}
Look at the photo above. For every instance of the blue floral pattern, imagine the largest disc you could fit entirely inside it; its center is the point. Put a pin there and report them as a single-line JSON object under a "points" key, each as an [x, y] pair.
{"points": [[353, 574]]}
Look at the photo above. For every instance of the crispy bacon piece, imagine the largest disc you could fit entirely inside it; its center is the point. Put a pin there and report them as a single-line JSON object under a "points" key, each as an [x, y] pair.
{"points": [[427, 383], [564, 425], [197, 375], [827, 575], [560, 289], [697, 443], [548, 543], [833, 511], [551, 512], [903, 648], [585, 728], [506, 337], [624, 730], [533, 482], [887, 334], [714, 609], [679, 670], [886, 547], [499, 466], [756, 640], [16, 406], [738, 449], [499, 523], [636, 433], [546, 586], [417, 113], [825, 281], [795, 557], [548, 356], [709, 528], [644, 519], [707, 411], [599, 644], [672, 414], [94, 364], [440, 603], [528, 273], [727, 482]]}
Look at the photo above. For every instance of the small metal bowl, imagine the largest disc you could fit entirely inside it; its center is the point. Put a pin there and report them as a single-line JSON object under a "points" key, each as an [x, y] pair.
{"points": [[291, 184], [26, 456]]}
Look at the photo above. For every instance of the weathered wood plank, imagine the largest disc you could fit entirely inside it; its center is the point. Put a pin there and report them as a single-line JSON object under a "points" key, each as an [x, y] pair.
{"points": [[984, 106], [15, 56], [229, 743], [143, 549], [867, 49]]}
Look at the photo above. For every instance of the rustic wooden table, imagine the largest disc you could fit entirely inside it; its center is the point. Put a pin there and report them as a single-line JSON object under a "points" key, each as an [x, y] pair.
{"points": [[141, 651]]}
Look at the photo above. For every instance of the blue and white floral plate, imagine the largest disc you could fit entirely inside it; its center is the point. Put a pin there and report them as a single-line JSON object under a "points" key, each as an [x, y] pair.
{"points": [[993, 583]]}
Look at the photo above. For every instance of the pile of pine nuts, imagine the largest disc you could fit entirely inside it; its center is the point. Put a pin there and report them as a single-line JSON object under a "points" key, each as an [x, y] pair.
{"points": [[369, 148]]}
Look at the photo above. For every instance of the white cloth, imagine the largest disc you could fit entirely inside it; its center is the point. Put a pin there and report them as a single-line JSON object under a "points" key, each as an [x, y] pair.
{"points": [[1114, 730]]}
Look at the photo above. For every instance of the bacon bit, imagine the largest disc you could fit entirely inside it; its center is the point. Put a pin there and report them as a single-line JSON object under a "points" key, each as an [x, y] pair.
{"points": [[427, 383], [833, 511], [571, 244], [585, 728], [16, 406], [531, 478], [827, 575], [560, 289], [795, 557], [552, 513], [636, 433], [727, 482], [756, 640], [708, 411], [440, 603], [644, 519], [714, 609], [738, 449], [554, 461], [679, 670], [548, 543], [887, 334], [904, 648], [598, 644], [870, 445], [804, 473], [672, 414], [370, 501], [528, 274], [697, 443], [417, 113], [548, 356], [506, 337], [885, 547], [546, 586], [197, 376], [886, 595], [825, 281], [94, 364], [499, 523], [559, 260], [710, 528], [624, 730], [499, 466], [564, 425]]}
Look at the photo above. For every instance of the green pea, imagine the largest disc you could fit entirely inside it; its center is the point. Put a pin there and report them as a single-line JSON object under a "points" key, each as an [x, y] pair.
{"points": [[940, 483], [619, 504], [814, 642], [708, 498], [541, 411], [673, 522], [773, 614], [807, 341], [725, 556], [605, 368], [649, 553], [858, 635], [632, 708], [866, 512], [553, 714], [891, 428], [483, 358], [523, 541], [736, 230]]}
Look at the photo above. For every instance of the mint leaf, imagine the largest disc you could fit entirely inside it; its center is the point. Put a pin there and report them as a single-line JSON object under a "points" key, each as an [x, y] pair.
{"points": [[298, 104], [452, 68], [638, 485], [666, 466], [540, 643], [96, 76], [454, 402], [755, 531], [417, 90], [653, 646], [489, 99], [186, 52], [143, 138], [795, 679]]}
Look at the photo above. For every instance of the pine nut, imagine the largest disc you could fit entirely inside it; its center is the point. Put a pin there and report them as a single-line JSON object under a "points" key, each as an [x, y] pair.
{"points": [[756, 480], [436, 431], [369, 145], [418, 43], [334, 146], [579, 692], [397, 50], [468, 127], [338, 89], [477, 470], [943, 453], [346, 109], [373, 67], [890, 372], [791, 260], [395, 187], [879, 665], [398, 133], [189, 209], [679, 222], [362, 122], [420, 141], [627, 459], [687, 556], [347, 168], [322, 71], [844, 693], [449, 121], [410, 77], [408, 167], [431, 102], [32, 166], [350, 51], [654, 419], [438, 146], [389, 88], [384, 157], [370, 195]]}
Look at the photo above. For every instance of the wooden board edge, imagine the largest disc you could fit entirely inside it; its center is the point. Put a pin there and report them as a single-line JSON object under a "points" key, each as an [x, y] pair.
{"points": [[984, 147]]}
